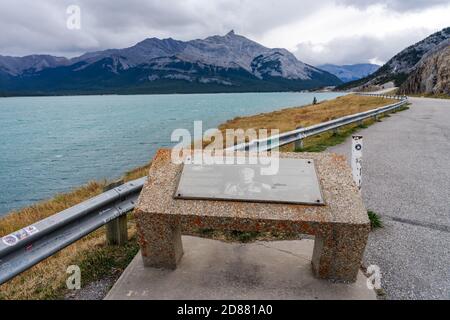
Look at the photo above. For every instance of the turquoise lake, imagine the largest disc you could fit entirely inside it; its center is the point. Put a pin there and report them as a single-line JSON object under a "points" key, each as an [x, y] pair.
{"points": [[53, 144]]}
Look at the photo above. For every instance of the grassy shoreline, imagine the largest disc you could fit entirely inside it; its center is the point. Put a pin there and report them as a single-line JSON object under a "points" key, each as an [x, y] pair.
{"points": [[47, 279]]}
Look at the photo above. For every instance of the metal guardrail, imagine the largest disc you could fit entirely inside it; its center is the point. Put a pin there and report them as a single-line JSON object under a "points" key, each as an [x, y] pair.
{"points": [[24, 248], [382, 95], [261, 145]]}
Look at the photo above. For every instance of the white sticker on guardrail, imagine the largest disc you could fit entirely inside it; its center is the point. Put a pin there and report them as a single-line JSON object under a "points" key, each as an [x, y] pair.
{"points": [[13, 238], [10, 240]]}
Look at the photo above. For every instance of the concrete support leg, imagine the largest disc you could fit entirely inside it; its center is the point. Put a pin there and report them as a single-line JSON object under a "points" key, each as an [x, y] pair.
{"points": [[160, 240], [338, 252]]}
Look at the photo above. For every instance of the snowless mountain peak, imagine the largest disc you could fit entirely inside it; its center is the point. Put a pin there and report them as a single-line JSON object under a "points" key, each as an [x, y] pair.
{"points": [[220, 60], [230, 51], [350, 72]]}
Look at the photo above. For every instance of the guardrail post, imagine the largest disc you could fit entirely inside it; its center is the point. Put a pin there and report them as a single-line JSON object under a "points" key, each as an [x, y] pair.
{"points": [[116, 230], [357, 159], [298, 144]]}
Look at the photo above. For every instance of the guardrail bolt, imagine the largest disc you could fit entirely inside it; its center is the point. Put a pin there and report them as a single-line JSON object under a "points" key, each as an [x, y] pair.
{"points": [[116, 230]]}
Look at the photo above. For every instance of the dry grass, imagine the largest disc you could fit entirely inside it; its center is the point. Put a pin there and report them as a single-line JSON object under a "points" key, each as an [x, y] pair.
{"points": [[46, 280], [290, 118], [136, 173]]}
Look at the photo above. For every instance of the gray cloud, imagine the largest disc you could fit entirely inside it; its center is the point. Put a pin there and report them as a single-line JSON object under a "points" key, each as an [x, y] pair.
{"points": [[187, 19], [349, 50], [30, 26], [397, 5]]}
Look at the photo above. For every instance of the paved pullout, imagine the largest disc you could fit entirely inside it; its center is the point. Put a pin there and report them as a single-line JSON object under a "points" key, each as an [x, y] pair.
{"points": [[406, 180], [212, 269]]}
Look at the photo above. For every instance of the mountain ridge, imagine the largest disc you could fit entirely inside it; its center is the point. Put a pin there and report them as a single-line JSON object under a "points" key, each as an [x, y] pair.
{"points": [[229, 63], [350, 72]]}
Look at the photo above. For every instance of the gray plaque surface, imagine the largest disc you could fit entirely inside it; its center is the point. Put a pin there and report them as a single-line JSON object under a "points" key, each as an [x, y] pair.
{"points": [[295, 182]]}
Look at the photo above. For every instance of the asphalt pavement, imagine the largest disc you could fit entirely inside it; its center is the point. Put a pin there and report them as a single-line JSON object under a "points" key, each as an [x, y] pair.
{"points": [[406, 180]]}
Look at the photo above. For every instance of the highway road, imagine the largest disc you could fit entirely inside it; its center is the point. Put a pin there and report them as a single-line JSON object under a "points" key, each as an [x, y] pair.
{"points": [[406, 180]]}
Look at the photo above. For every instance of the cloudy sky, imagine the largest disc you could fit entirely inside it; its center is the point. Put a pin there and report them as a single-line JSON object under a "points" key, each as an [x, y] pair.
{"points": [[325, 31]]}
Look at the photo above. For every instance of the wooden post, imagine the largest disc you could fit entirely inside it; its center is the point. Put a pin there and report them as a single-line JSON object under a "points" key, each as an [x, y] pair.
{"points": [[116, 230]]}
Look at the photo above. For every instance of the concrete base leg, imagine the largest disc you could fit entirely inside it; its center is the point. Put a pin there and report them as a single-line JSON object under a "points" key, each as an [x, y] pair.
{"points": [[338, 252], [160, 241]]}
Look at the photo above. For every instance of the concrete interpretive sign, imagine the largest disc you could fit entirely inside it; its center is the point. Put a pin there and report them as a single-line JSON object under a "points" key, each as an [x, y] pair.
{"points": [[340, 224]]}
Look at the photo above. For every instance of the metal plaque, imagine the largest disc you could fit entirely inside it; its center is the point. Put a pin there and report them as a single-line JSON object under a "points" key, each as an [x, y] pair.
{"points": [[295, 182]]}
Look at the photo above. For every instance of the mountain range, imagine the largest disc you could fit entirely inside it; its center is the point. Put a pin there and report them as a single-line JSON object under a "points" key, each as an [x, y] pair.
{"points": [[400, 67], [350, 72], [230, 63]]}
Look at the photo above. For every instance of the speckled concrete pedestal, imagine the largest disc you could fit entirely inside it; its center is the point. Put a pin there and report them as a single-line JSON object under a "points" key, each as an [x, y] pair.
{"points": [[340, 227]]}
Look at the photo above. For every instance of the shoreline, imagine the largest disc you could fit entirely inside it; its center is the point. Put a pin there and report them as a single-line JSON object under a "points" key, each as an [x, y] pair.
{"points": [[158, 93]]}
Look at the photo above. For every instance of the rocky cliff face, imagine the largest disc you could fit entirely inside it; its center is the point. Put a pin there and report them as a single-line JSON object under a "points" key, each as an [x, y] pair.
{"points": [[431, 75], [399, 67]]}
